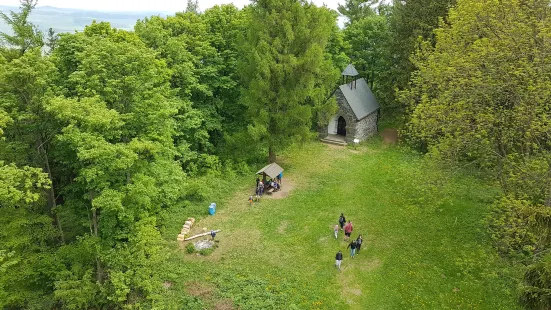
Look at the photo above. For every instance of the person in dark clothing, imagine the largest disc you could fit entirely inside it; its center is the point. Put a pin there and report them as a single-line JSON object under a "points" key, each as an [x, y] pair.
{"points": [[342, 220], [212, 234], [338, 260], [359, 242], [352, 247]]}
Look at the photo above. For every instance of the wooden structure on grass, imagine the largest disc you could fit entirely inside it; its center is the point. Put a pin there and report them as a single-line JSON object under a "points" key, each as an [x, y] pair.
{"points": [[186, 229], [272, 170], [201, 235]]}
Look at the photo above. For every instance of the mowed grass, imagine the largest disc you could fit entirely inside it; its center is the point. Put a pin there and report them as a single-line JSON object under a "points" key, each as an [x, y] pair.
{"points": [[417, 254]]}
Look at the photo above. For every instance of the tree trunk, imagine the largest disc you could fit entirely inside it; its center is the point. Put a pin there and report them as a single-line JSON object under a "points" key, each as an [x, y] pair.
{"points": [[94, 215], [271, 155], [99, 268], [372, 80], [52, 204]]}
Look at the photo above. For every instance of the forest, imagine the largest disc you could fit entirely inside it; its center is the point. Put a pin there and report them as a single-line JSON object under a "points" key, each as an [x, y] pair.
{"points": [[106, 133]]}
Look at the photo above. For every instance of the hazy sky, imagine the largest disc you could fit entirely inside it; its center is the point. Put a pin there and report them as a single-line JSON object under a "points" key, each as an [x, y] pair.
{"points": [[143, 5]]}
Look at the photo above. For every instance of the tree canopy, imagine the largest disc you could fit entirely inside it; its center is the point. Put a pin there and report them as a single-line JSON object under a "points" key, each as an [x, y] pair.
{"points": [[104, 132]]}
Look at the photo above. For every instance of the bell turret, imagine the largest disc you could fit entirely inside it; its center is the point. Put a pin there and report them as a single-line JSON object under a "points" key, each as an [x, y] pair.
{"points": [[350, 74]]}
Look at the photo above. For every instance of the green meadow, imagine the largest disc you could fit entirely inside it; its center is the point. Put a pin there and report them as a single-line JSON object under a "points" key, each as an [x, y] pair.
{"points": [[425, 243]]}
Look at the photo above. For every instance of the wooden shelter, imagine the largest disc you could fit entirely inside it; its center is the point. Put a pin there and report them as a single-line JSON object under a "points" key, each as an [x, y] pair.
{"points": [[272, 170]]}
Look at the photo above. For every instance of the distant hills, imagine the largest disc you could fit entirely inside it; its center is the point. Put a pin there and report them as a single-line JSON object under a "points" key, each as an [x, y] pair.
{"points": [[70, 20]]}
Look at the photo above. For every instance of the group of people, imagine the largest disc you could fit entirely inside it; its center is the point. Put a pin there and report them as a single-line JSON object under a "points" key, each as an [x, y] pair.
{"points": [[275, 183], [355, 245]]}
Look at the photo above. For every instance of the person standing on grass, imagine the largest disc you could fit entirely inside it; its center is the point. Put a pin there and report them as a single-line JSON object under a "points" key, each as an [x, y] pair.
{"points": [[251, 201], [352, 247], [359, 242], [336, 229], [212, 234], [348, 228], [338, 260], [342, 220]]}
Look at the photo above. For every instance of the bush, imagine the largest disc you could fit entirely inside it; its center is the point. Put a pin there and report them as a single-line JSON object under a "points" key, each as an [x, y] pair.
{"points": [[519, 227], [536, 289], [190, 248], [206, 252]]}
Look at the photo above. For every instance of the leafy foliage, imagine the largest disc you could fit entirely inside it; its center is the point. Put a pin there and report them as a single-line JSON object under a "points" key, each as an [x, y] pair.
{"points": [[26, 35], [410, 22], [202, 52], [357, 9], [102, 134], [481, 97], [285, 72], [368, 38]]}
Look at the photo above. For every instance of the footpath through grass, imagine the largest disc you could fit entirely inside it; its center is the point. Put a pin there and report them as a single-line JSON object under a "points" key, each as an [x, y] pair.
{"points": [[417, 254]]}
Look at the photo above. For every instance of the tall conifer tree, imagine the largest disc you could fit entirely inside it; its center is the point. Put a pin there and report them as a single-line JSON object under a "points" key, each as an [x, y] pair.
{"points": [[286, 70]]}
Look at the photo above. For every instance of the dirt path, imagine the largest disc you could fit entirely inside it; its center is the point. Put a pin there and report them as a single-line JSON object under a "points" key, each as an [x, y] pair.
{"points": [[286, 188]]}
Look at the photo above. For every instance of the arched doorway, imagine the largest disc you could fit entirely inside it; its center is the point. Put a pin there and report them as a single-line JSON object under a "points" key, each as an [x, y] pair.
{"points": [[341, 126]]}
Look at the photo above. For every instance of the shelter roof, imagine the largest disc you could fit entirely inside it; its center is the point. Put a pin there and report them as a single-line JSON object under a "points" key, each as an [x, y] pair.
{"points": [[272, 170], [360, 98]]}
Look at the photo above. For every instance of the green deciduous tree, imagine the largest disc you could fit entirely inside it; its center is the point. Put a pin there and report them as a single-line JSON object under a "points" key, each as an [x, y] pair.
{"points": [[24, 88], [202, 52], [118, 133], [481, 97], [368, 38], [481, 93], [409, 21], [285, 70], [26, 232]]}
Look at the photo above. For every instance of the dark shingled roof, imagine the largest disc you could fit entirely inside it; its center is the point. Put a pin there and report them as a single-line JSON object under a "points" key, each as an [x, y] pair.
{"points": [[361, 99], [272, 170], [350, 71]]}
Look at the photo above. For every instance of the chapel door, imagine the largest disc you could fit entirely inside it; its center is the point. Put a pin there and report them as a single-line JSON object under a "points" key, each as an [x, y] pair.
{"points": [[341, 127]]}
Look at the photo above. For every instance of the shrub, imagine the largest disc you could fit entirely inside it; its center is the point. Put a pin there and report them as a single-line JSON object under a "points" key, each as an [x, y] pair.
{"points": [[519, 227], [190, 248], [206, 252], [536, 287]]}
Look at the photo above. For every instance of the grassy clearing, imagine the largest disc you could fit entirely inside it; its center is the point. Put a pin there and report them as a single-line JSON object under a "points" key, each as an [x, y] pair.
{"points": [[418, 252]]}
